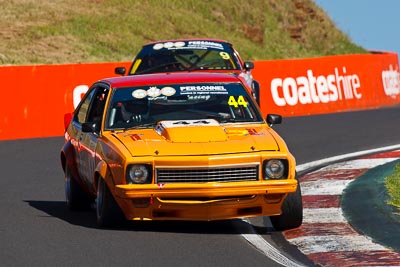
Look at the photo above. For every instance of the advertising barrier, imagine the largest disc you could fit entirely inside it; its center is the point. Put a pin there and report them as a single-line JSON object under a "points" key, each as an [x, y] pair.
{"points": [[328, 84], [35, 98]]}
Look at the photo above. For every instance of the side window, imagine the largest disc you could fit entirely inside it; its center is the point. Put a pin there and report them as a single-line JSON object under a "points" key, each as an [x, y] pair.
{"points": [[92, 106], [97, 108], [84, 107]]}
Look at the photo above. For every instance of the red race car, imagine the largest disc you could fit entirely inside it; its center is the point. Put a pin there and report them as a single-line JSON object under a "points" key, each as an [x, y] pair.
{"points": [[191, 55]]}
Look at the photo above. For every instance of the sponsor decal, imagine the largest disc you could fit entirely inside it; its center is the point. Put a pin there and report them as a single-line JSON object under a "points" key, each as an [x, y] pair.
{"points": [[153, 92], [239, 132], [136, 137], [316, 89], [254, 132], [198, 97], [168, 45], [139, 93], [391, 81], [205, 44], [168, 91], [203, 89], [190, 45], [236, 103]]}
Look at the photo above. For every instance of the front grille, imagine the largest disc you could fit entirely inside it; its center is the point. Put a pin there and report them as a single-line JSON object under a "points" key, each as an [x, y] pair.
{"points": [[204, 175]]}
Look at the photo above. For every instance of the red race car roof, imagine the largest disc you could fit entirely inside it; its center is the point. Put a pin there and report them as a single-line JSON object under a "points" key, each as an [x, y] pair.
{"points": [[165, 78], [189, 39]]}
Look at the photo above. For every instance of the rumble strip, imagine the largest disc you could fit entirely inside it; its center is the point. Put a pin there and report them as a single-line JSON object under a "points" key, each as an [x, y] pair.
{"points": [[325, 236]]}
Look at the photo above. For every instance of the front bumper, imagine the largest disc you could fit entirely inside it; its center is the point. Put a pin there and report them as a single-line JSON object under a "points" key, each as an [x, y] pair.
{"points": [[209, 201], [206, 190]]}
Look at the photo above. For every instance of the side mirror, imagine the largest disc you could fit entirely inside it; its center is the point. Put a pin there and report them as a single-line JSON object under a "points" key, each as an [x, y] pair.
{"points": [[120, 70], [274, 119], [248, 65], [90, 127]]}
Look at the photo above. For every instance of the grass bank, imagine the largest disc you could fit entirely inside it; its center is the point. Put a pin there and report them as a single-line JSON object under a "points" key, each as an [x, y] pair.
{"points": [[392, 184], [71, 31]]}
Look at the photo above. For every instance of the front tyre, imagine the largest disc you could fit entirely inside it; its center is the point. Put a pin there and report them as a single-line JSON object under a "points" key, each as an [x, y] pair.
{"points": [[108, 212], [75, 197], [292, 212]]}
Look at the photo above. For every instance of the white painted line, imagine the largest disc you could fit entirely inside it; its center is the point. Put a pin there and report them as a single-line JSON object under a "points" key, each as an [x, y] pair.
{"points": [[266, 248], [325, 161], [358, 164], [323, 215], [323, 187], [335, 243]]}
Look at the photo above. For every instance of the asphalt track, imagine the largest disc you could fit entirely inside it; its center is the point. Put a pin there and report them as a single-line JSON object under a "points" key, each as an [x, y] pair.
{"points": [[36, 229]]}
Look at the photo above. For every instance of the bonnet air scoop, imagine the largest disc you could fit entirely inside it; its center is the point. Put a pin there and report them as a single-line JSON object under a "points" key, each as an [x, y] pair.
{"points": [[191, 131]]}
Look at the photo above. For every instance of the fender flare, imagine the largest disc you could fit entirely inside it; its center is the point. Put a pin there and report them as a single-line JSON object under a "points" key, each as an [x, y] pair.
{"points": [[102, 172], [101, 169], [67, 156]]}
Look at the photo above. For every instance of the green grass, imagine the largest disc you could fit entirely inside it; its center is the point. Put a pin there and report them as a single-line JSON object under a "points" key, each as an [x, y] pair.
{"points": [[70, 31], [392, 184]]}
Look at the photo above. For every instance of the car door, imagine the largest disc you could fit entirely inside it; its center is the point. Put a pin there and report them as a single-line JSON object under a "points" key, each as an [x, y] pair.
{"points": [[88, 124]]}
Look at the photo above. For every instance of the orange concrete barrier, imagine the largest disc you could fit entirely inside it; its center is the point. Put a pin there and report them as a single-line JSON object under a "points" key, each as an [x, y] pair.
{"points": [[35, 98], [328, 84]]}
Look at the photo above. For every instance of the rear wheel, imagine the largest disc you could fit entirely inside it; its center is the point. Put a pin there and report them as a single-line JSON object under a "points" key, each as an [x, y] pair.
{"points": [[75, 197], [107, 210], [292, 212]]}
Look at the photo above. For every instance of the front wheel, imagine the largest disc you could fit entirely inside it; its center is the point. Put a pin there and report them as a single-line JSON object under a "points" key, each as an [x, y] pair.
{"points": [[292, 212], [108, 212]]}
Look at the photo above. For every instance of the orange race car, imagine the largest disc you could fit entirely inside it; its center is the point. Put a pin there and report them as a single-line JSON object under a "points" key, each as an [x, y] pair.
{"points": [[178, 146]]}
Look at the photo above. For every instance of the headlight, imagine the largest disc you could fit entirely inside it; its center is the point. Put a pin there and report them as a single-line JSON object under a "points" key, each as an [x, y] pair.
{"points": [[275, 169], [138, 174]]}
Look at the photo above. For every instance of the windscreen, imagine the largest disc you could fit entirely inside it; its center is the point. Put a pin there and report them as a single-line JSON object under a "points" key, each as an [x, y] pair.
{"points": [[144, 106], [185, 56]]}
